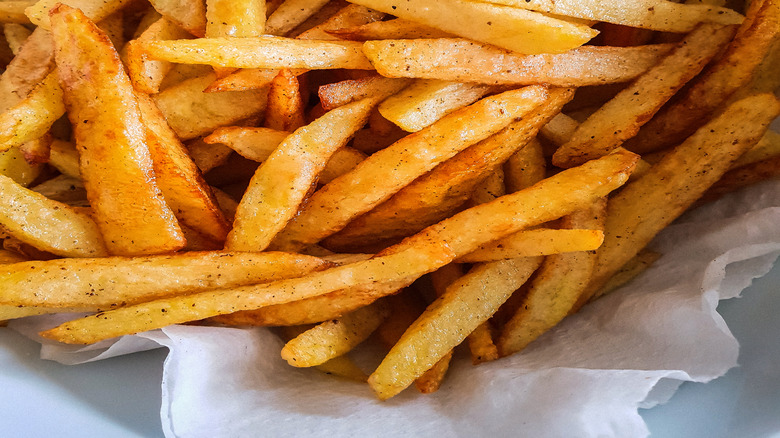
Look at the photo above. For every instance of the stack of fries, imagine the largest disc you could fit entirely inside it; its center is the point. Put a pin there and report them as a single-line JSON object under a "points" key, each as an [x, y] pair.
{"points": [[418, 173]]}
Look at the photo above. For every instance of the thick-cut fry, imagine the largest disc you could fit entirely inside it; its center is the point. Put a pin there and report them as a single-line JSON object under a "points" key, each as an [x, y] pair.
{"points": [[743, 176], [96, 11], [208, 156], [14, 165], [644, 207], [491, 24], [620, 118], [265, 210], [28, 68], [395, 267], [190, 112], [260, 52], [331, 339], [178, 177], [389, 30], [290, 14], [660, 15], [105, 283], [471, 301], [15, 35], [147, 75], [466, 61], [115, 162], [285, 108], [64, 189], [46, 224], [341, 93], [426, 101], [386, 172], [559, 129], [433, 196], [525, 167], [556, 287], [538, 242], [705, 95], [13, 11], [638, 264]]}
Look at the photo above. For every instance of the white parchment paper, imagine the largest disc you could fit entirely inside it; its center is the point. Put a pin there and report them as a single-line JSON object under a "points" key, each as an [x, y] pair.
{"points": [[585, 378]]}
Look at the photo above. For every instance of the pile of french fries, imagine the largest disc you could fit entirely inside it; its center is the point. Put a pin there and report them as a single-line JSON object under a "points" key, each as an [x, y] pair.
{"points": [[421, 174]]}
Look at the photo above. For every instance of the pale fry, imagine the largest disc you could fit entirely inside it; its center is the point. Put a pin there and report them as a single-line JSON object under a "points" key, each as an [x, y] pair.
{"points": [[115, 162], [32, 117], [231, 18], [660, 15], [334, 338], [707, 93], [47, 225], [621, 117], [108, 282], [426, 101], [491, 24], [538, 242], [186, 14], [386, 172], [644, 207], [471, 300], [264, 210], [394, 268], [466, 61], [260, 52]]}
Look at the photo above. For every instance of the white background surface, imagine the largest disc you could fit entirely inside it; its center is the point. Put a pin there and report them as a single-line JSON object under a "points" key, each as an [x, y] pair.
{"points": [[120, 397]]}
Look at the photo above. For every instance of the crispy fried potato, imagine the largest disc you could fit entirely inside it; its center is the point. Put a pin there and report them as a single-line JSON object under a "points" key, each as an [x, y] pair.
{"points": [[620, 118], [96, 11], [188, 15], [638, 264], [660, 15], [538, 242], [295, 163], [260, 52], [334, 338], [389, 30], [431, 197], [644, 207], [425, 101], [467, 61], [32, 117], [556, 287], [341, 93], [147, 75], [15, 35], [28, 68], [705, 95], [285, 108], [14, 165], [290, 14], [386, 172], [471, 301], [115, 161], [232, 18], [46, 224], [105, 283], [491, 24], [13, 11]]}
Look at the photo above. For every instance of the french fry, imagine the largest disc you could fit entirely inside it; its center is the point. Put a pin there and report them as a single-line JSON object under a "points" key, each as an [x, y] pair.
{"points": [[660, 15], [32, 117], [433, 196], [525, 167], [147, 75], [28, 68], [389, 30], [471, 300], [188, 15], [331, 339], [705, 95], [179, 178], [285, 108], [208, 156], [386, 172], [39, 12], [490, 24], [14, 165], [15, 34], [108, 282], [260, 52], [48, 225], [65, 189], [395, 267], [620, 118], [190, 112], [559, 129], [638, 264], [238, 19], [341, 366], [264, 210], [290, 14], [538, 242], [556, 287], [644, 207], [466, 61], [341, 93], [426, 101], [743, 176], [115, 162]]}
